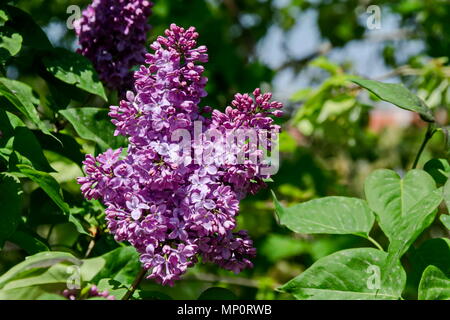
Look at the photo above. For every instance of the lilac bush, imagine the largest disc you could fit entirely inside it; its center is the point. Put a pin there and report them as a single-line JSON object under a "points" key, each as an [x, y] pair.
{"points": [[112, 34], [173, 209]]}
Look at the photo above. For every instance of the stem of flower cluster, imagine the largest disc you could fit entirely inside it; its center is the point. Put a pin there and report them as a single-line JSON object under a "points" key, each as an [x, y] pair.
{"points": [[375, 243], [136, 282], [428, 135]]}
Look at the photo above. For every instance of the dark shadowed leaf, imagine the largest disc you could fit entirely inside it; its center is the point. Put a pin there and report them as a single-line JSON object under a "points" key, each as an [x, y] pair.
{"points": [[21, 97], [23, 23], [11, 204], [73, 68], [29, 242], [217, 293], [52, 188], [434, 252], [19, 138], [67, 147], [439, 169]]}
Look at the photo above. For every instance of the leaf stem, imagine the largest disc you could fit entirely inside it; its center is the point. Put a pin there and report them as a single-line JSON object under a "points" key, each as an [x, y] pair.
{"points": [[428, 135], [136, 282], [375, 243]]}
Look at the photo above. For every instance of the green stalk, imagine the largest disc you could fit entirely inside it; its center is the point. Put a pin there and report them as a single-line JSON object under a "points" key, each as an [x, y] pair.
{"points": [[136, 282], [428, 135]]}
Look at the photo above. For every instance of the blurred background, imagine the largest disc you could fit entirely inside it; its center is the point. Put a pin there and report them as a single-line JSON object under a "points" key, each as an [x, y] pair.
{"points": [[303, 51]]}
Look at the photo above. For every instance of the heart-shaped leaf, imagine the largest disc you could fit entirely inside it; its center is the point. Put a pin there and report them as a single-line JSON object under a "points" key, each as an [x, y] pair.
{"points": [[332, 215], [434, 285], [404, 207], [353, 274]]}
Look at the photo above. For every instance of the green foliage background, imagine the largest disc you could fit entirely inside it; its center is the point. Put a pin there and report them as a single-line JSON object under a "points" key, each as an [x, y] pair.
{"points": [[53, 110]]}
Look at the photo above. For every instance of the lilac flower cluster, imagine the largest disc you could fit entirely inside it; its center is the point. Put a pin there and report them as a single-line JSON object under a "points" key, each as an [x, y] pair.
{"points": [[72, 294], [112, 34], [174, 210]]}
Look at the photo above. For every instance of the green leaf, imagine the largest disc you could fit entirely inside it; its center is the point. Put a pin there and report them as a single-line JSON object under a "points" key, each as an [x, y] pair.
{"points": [[276, 247], [419, 218], [114, 288], [23, 23], [11, 204], [217, 293], [73, 68], [52, 188], [21, 97], [445, 219], [150, 295], [35, 264], [67, 147], [332, 215], [37, 283], [434, 252], [446, 194], [434, 285], [3, 18], [121, 264], [55, 274], [30, 243], [10, 43], [48, 184], [353, 274], [19, 138], [94, 124], [398, 95], [404, 207], [439, 169]]}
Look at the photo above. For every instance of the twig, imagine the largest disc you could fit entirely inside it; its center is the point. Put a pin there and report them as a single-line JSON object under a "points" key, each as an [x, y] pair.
{"points": [[428, 135], [135, 284]]}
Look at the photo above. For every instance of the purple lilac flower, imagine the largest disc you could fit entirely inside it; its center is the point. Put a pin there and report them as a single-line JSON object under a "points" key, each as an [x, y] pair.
{"points": [[112, 34], [176, 212], [73, 294]]}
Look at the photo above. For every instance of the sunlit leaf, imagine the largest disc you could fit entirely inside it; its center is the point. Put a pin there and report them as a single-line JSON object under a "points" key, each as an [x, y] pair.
{"points": [[398, 95], [434, 285], [332, 215], [94, 124], [353, 274]]}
